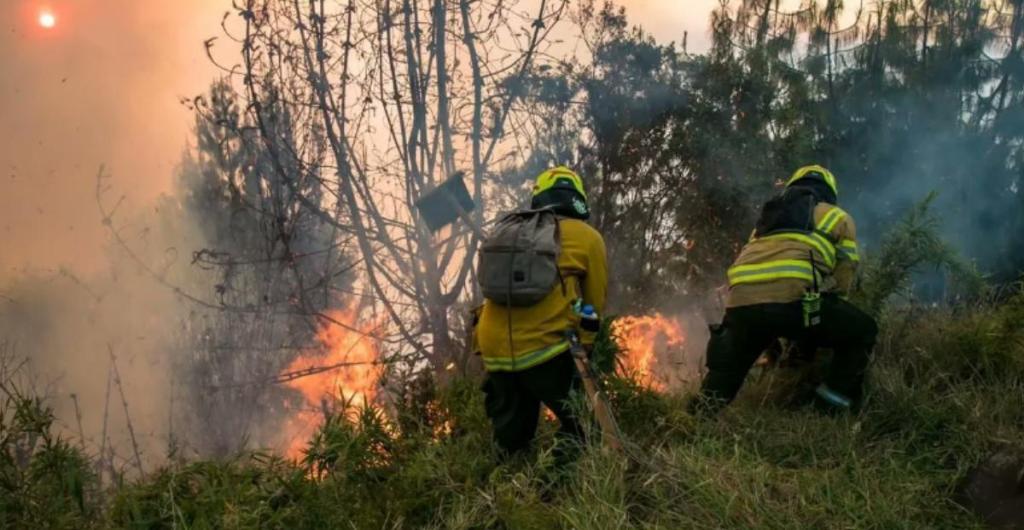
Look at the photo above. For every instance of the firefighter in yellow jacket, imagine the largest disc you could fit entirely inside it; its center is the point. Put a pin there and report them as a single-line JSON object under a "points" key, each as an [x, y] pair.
{"points": [[524, 349], [789, 281]]}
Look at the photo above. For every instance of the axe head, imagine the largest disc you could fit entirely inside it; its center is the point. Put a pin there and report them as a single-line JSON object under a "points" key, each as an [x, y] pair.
{"points": [[444, 204]]}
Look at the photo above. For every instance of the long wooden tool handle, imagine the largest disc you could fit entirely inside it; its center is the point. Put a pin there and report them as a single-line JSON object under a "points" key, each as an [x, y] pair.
{"points": [[466, 218], [610, 433]]}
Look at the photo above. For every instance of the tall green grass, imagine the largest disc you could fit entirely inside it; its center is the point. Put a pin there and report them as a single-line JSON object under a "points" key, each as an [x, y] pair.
{"points": [[945, 389]]}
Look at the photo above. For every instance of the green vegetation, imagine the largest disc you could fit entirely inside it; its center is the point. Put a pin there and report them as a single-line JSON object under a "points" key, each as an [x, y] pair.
{"points": [[946, 389], [913, 244], [43, 478], [681, 148]]}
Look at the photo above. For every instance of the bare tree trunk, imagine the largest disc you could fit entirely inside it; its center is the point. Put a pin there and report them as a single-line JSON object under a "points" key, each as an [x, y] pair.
{"points": [[406, 67]]}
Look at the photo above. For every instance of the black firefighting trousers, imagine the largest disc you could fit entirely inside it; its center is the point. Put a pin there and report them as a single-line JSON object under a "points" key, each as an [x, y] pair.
{"points": [[746, 331], [513, 400]]}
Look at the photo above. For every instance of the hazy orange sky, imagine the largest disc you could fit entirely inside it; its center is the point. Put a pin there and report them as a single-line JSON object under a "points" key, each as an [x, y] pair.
{"points": [[104, 87]]}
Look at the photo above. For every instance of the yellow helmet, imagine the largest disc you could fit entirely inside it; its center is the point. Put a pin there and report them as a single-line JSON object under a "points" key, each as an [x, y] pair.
{"points": [[552, 177], [815, 172]]}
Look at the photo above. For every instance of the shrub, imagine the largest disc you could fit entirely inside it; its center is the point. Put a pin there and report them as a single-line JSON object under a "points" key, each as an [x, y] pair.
{"points": [[945, 389], [42, 476]]}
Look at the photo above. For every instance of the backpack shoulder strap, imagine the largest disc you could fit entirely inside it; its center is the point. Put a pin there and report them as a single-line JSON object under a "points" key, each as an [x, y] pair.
{"points": [[812, 203], [558, 246]]}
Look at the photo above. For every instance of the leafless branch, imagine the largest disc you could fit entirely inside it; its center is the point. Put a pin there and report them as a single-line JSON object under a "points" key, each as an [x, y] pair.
{"points": [[127, 414]]}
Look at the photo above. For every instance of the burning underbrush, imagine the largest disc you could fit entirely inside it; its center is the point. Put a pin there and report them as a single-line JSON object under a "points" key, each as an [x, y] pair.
{"points": [[344, 372], [342, 379], [649, 348], [945, 387], [341, 394]]}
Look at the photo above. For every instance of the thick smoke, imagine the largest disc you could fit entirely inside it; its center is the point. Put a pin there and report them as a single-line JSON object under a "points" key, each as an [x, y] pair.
{"points": [[70, 327], [976, 202], [103, 86]]}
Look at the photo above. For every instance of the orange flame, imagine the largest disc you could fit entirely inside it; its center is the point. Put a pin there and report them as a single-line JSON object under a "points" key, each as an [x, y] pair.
{"points": [[642, 339], [346, 368]]}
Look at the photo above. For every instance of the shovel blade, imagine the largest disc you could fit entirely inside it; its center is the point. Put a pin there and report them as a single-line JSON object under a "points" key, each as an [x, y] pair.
{"points": [[441, 206]]}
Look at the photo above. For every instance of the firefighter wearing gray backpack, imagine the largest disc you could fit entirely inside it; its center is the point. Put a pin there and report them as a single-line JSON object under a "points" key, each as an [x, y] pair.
{"points": [[537, 269]]}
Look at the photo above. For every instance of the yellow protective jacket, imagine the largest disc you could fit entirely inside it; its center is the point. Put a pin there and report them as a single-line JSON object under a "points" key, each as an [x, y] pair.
{"points": [[777, 268], [538, 331]]}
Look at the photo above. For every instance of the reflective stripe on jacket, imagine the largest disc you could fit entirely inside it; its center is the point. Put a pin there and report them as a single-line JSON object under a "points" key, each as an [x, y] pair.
{"points": [[777, 268]]}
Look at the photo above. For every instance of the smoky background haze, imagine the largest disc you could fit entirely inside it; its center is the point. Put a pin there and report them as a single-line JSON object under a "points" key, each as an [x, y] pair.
{"points": [[106, 86], [103, 86]]}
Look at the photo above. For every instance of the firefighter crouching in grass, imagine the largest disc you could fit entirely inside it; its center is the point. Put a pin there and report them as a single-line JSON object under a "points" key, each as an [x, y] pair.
{"points": [[789, 281], [537, 268]]}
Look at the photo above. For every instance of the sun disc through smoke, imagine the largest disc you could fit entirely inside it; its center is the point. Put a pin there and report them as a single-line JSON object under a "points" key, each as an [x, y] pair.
{"points": [[47, 19]]}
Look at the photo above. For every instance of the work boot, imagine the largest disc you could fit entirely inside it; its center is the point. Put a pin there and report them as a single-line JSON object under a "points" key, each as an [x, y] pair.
{"points": [[830, 402]]}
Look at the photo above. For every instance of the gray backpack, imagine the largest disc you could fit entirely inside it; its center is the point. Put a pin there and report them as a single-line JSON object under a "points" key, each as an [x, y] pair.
{"points": [[518, 264]]}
